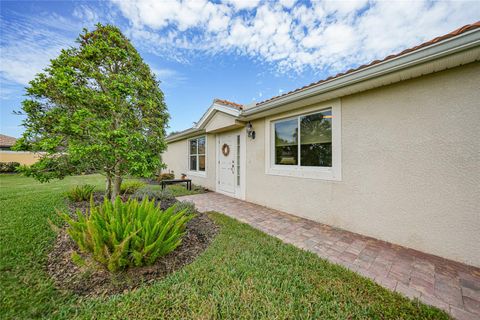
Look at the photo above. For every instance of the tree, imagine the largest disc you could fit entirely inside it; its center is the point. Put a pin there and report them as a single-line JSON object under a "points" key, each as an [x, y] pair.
{"points": [[96, 107]]}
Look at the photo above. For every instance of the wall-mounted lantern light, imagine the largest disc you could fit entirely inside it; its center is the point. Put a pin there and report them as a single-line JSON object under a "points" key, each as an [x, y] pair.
{"points": [[250, 131]]}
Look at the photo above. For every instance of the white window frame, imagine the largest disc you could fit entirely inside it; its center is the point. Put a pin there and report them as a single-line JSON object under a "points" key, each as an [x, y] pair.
{"points": [[307, 172], [197, 172]]}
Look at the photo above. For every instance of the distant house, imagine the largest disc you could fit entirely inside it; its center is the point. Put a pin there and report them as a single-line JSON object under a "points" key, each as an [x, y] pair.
{"points": [[6, 142], [8, 155], [390, 150]]}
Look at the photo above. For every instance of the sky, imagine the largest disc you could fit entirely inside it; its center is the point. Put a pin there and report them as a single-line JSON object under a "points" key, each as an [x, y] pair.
{"points": [[242, 51]]}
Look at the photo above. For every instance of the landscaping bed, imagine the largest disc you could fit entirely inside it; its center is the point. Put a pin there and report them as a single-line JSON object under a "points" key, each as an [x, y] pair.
{"points": [[91, 279]]}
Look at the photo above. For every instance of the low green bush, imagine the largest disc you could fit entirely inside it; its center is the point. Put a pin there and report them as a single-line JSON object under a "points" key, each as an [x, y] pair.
{"points": [[159, 195], [187, 206], [130, 187], [8, 167], [125, 234], [80, 193], [198, 189], [163, 197]]}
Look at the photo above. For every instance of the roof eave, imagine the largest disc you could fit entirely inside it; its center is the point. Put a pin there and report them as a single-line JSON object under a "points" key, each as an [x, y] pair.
{"points": [[200, 126], [443, 48], [184, 134]]}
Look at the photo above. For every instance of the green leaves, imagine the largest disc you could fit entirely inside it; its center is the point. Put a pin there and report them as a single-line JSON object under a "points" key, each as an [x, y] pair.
{"points": [[125, 234], [97, 105], [130, 187], [80, 193]]}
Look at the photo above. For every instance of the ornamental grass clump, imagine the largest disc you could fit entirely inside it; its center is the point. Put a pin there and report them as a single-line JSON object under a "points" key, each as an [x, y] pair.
{"points": [[130, 187], [80, 193], [125, 234]]}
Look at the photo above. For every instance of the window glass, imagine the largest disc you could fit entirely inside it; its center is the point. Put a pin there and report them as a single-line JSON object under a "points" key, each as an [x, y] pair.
{"points": [[201, 145], [201, 163], [193, 163], [193, 146], [286, 142], [197, 154], [316, 139]]}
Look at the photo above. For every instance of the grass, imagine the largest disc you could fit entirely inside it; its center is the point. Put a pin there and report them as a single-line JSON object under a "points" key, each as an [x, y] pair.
{"points": [[243, 274]]}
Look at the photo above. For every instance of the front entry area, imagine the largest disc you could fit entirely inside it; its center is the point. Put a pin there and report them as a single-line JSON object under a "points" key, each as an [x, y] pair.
{"points": [[230, 159]]}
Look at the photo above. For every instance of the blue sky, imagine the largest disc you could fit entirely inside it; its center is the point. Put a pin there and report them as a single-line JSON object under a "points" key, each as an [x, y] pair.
{"points": [[243, 51]]}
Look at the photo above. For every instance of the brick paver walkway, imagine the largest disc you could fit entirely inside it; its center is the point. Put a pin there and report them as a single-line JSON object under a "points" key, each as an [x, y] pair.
{"points": [[448, 285]]}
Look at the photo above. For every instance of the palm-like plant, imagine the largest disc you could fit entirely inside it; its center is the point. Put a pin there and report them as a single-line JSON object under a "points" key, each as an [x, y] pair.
{"points": [[125, 234]]}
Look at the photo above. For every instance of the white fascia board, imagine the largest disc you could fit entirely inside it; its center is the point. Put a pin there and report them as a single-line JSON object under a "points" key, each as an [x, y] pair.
{"points": [[212, 110], [184, 134], [200, 126], [453, 45]]}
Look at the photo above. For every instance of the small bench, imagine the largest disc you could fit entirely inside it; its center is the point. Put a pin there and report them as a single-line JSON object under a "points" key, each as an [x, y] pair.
{"points": [[175, 181]]}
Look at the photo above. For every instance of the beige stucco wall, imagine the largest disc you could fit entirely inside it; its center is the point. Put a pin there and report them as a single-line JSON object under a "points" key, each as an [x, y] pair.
{"points": [[24, 158], [410, 167], [220, 121], [176, 159]]}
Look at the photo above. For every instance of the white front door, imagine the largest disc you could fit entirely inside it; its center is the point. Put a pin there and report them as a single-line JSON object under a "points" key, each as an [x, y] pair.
{"points": [[226, 163]]}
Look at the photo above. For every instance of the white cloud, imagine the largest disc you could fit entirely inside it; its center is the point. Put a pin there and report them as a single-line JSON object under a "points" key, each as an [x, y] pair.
{"points": [[287, 3], [167, 77], [242, 4], [29, 42], [322, 35], [27, 50], [290, 35]]}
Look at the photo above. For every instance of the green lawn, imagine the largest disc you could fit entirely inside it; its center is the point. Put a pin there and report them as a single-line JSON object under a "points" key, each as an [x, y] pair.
{"points": [[244, 274]]}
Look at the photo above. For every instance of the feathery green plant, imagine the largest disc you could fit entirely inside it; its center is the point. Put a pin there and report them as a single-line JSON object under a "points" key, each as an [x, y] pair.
{"points": [[125, 234], [80, 193], [130, 187]]}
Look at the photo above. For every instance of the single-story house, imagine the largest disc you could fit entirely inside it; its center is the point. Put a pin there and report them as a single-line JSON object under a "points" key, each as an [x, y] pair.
{"points": [[390, 149], [8, 155]]}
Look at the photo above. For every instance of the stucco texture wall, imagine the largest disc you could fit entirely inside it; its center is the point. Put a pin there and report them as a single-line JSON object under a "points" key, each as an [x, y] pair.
{"points": [[410, 167], [176, 159], [219, 121], [24, 158]]}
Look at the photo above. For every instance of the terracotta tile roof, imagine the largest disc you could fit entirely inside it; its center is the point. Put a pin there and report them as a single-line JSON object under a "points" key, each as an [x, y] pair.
{"points": [[454, 33], [228, 103], [6, 141]]}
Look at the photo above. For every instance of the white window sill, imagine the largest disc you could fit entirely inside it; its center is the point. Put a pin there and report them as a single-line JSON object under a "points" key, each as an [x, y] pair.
{"points": [[303, 172], [202, 174]]}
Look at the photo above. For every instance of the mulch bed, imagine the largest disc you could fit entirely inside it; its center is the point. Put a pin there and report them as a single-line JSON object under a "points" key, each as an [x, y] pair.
{"points": [[94, 280]]}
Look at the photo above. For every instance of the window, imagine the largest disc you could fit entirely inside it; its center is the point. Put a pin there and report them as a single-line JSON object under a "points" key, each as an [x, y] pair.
{"points": [[304, 141], [306, 144], [197, 154]]}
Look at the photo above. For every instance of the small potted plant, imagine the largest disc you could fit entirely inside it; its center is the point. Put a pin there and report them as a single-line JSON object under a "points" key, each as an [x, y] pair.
{"points": [[184, 176]]}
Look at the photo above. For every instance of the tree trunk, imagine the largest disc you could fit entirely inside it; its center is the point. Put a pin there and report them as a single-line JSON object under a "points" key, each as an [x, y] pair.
{"points": [[117, 183], [108, 187]]}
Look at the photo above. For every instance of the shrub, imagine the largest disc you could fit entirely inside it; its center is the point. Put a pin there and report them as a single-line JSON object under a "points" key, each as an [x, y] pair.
{"points": [[158, 195], [130, 187], [8, 167], [198, 189], [125, 234], [166, 176], [80, 193], [187, 206], [164, 197]]}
